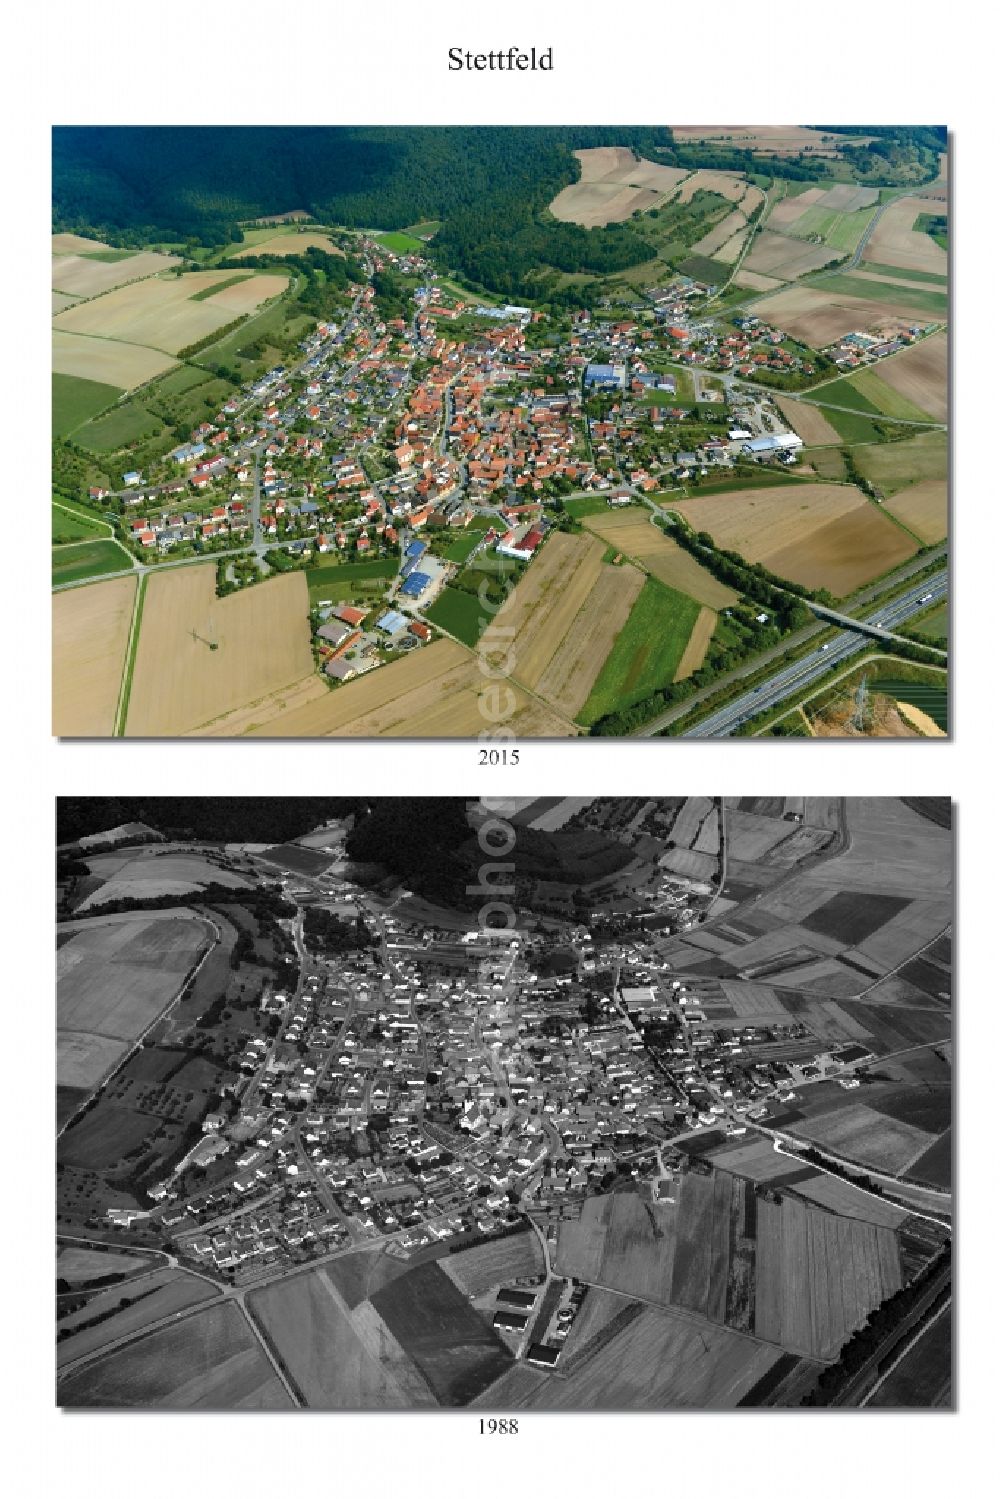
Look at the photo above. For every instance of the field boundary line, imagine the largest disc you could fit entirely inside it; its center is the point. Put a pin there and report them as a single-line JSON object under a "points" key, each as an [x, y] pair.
{"points": [[131, 651]]}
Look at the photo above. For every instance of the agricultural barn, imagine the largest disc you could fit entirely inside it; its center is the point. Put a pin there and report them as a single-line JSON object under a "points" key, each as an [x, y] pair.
{"points": [[415, 585], [510, 1321], [333, 633], [523, 549], [391, 622], [604, 376], [523, 1299], [778, 442], [541, 1353], [416, 549]]}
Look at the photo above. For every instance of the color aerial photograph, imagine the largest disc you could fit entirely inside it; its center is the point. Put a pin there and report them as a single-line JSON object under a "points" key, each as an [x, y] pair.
{"points": [[550, 1104], [648, 425]]}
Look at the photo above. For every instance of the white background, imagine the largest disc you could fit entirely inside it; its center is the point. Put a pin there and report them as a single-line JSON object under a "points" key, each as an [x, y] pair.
{"points": [[644, 63]]}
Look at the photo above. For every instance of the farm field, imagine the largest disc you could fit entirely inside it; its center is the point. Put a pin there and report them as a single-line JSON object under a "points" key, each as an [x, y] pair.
{"points": [[907, 302], [209, 1362], [893, 466], [169, 1292], [786, 258], [633, 534], [613, 184], [884, 397], [290, 244], [649, 651], [781, 140], [660, 1361], [623, 1243], [90, 629], [151, 872], [80, 275], [106, 361], [923, 1378], [459, 613], [112, 982], [165, 315], [495, 1263], [74, 562], [920, 375], [434, 692], [75, 401], [820, 535], [816, 315], [537, 615], [859, 1133], [340, 1359], [923, 508], [200, 657], [346, 581], [77, 1265], [731, 185], [807, 421], [610, 613], [895, 241]]}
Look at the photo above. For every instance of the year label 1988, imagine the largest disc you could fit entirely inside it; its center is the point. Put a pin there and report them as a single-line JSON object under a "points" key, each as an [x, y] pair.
{"points": [[502, 1426]]}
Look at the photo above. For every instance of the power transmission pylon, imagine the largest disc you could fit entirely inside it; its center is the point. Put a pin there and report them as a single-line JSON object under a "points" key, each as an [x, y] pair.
{"points": [[861, 710]]}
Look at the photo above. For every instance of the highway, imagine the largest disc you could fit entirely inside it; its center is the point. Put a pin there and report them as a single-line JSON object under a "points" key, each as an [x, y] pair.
{"points": [[799, 674]]}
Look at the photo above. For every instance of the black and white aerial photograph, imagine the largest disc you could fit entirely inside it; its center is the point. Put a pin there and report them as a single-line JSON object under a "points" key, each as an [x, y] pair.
{"points": [[545, 1104]]}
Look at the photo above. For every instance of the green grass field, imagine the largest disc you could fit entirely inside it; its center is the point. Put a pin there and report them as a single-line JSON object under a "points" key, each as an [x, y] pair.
{"points": [[211, 291], [466, 543], [894, 465], [841, 231], [647, 652], [110, 257], [69, 526], [882, 396], [704, 268], [933, 624], [461, 614], [75, 401], [853, 426], [428, 226], [401, 243], [893, 273], [845, 393], [346, 580], [931, 303], [590, 504], [128, 423], [87, 559]]}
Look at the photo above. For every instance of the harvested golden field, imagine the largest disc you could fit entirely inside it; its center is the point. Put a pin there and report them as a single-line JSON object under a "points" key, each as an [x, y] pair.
{"points": [[716, 237], [438, 692], [71, 244], [817, 317], [920, 373], [89, 278], [894, 465], [90, 630], [537, 616], [613, 185], [254, 717], [924, 508], [246, 296], [787, 210], [161, 314], [731, 185], [291, 244], [576, 664], [200, 656], [807, 421], [730, 252], [894, 241], [921, 721], [780, 140], [753, 281], [778, 255], [102, 359], [633, 533], [820, 535], [698, 643]]}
